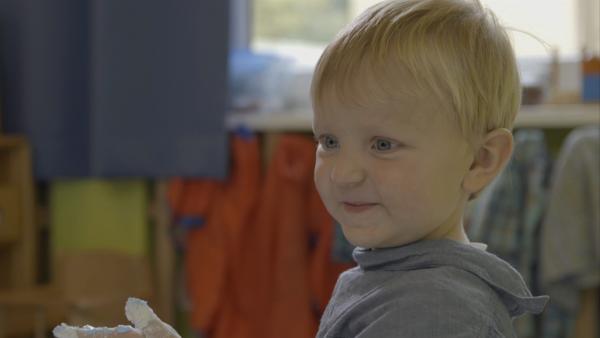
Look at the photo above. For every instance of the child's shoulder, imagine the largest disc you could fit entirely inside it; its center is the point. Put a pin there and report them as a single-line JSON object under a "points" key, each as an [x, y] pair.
{"points": [[416, 302], [440, 275], [425, 284]]}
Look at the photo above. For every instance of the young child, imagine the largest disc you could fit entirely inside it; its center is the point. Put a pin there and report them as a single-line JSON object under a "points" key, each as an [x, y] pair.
{"points": [[413, 106]]}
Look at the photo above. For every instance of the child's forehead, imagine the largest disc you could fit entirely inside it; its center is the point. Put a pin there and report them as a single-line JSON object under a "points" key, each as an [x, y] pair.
{"points": [[371, 84], [378, 97], [376, 109]]}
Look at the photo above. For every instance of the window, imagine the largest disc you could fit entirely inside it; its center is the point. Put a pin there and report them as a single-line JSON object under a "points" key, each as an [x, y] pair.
{"points": [[299, 30], [315, 22], [309, 21]]}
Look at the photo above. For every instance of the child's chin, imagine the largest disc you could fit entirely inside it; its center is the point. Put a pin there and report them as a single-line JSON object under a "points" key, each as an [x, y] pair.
{"points": [[374, 242], [363, 242]]}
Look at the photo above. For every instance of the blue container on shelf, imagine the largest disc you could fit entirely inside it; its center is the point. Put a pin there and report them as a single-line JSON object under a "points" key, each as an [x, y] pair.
{"points": [[591, 79], [591, 88]]}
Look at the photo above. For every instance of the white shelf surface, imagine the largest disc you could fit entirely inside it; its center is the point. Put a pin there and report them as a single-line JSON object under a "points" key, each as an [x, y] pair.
{"points": [[539, 116]]}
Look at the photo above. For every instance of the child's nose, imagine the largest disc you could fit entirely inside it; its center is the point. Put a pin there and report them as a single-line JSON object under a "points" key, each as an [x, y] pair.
{"points": [[347, 172]]}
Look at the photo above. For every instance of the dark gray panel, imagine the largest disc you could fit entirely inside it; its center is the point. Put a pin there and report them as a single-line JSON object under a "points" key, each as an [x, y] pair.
{"points": [[117, 87], [45, 82], [163, 78]]}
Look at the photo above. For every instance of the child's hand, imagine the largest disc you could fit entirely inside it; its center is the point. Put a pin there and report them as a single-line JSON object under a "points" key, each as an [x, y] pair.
{"points": [[146, 324]]}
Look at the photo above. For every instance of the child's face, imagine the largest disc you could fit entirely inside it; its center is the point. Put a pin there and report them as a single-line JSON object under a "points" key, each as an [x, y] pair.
{"points": [[391, 174]]}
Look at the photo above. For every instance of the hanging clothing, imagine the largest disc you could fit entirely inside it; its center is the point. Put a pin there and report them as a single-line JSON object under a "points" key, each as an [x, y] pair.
{"points": [[258, 254], [507, 215], [570, 234], [214, 214], [276, 243]]}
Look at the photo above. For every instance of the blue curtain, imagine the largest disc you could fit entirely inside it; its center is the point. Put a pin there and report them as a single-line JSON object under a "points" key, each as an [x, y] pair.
{"points": [[117, 88]]}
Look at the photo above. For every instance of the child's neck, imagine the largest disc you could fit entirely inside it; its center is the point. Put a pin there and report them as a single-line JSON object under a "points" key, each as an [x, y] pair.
{"points": [[452, 229]]}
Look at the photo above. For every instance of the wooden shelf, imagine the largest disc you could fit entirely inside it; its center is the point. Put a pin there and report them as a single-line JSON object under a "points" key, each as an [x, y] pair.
{"points": [[558, 115], [539, 116]]}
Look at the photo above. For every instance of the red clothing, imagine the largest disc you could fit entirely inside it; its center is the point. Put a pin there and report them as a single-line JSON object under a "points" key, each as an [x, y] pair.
{"points": [[276, 266], [224, 207], [251, 269]]}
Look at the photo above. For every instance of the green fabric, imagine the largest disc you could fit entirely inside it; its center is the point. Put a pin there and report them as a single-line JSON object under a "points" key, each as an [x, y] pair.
{"points": [[99, 215]]}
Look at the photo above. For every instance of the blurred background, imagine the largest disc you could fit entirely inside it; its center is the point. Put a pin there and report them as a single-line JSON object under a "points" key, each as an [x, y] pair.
{"points": [[163, 150]]}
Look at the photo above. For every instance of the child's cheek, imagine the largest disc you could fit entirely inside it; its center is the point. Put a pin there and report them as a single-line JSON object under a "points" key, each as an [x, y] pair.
{"points": [[321, 174], [402, 189]]}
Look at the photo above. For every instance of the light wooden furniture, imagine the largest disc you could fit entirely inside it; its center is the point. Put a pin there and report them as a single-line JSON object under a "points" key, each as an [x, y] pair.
{"points": [[18, 236], [30, 309], [95, 285], [25, 307]]}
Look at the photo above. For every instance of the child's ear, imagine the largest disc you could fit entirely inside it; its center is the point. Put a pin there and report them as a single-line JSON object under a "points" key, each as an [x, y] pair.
{"points": [[493, 153]]}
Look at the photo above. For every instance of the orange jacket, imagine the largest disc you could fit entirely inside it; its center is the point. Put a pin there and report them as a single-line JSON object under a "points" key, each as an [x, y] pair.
{"points": [[277, 261], [260, 265], [223, 207]]}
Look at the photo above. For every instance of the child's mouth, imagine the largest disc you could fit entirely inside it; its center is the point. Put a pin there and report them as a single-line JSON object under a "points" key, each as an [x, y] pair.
{"points": [[356, 207]]}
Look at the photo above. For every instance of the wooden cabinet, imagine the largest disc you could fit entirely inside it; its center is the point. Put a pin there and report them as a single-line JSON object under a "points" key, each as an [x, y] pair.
{"points": [[10, 212], [22, 307], [18, 236]]}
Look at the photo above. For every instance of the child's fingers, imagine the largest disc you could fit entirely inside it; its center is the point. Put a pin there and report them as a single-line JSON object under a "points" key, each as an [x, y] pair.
{"points": [[121, 331], [143, 318]]}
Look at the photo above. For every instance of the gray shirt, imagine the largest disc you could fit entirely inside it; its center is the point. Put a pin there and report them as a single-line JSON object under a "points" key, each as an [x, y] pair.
{"points": [[428, 289]]}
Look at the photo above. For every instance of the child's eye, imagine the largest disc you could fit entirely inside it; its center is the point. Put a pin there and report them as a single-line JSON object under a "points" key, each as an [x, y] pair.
{"points": [[383, 145], [328, 142]]}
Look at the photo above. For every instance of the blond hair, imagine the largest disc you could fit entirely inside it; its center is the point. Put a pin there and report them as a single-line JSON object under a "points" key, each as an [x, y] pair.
{"points": [[455, 48]]}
